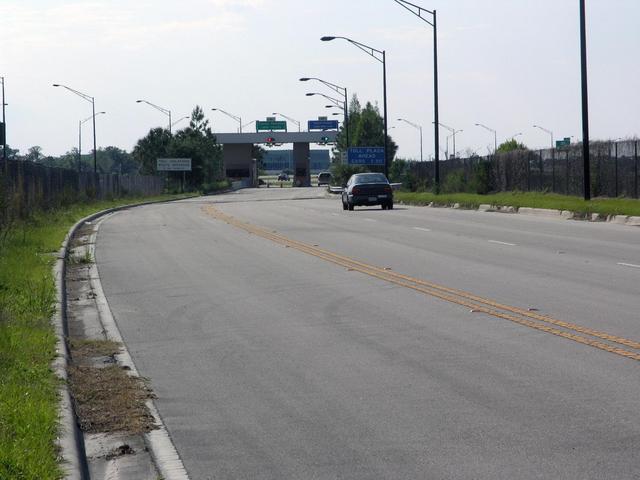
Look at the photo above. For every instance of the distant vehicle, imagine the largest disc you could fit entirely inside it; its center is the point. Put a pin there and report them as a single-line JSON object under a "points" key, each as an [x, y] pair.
{"points": [[283, 177], [367, 189], [324, 178]]}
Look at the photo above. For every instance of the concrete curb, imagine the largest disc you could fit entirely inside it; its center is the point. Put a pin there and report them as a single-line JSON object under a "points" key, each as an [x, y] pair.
{"points": [[161, 447], [69, 439], [633, 221], [70, 443]]}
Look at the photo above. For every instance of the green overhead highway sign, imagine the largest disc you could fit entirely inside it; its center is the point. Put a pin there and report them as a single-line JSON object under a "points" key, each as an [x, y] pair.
{"points": [[565, 142], [270, 126]]}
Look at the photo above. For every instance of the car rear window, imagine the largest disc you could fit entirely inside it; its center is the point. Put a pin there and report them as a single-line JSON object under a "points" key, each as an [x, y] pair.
{"points": [[370, 178]]}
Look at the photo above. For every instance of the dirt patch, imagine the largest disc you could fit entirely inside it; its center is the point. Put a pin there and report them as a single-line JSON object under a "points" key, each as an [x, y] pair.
{"points": [[108, 399], [81, 349]]}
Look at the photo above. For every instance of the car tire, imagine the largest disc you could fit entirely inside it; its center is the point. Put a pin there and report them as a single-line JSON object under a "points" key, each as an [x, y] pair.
{"points": [[350, 206], [384, 206], [390, 205], [344, 205]]}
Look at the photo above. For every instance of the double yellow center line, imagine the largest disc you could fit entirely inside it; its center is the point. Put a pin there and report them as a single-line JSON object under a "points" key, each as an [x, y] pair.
{"points": [[571, 331]]}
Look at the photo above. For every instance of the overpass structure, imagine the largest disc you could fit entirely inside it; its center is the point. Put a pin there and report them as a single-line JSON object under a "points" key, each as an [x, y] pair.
{"points": [[239, 162]]}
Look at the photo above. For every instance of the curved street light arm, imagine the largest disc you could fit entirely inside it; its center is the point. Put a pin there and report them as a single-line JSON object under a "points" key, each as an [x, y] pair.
{"points": [[236, 118], [180, 119], [288, 118], [543, 129], [365, 48], [82, 122], [88, 98], [332, 86], [230, 115], [163, 110], [485, 127], [335, 101], [415, 125], [418, 10], [248, 123]]}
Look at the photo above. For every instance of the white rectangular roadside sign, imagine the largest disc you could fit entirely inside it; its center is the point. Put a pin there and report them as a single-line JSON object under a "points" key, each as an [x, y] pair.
{"points": [[173, 165]]}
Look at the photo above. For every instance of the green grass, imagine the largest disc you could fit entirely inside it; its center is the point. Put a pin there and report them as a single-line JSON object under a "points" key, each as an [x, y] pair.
{"points": [[28, 386], [604, 206]]}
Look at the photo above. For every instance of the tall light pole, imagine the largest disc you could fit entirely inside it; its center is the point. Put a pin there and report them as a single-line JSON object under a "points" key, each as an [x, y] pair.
{"points": [[235, 117], [80, 123], [91, 99], [342, 91], [376, 54], [453, 134], [418, 11], [166, 111], [419, 127], [4, 130], [585, 102], [547, 131], [288, 118], [495, 136]]}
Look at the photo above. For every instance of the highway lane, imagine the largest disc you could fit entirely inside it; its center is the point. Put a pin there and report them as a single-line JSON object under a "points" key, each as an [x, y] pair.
{"points": [[272, 362]]}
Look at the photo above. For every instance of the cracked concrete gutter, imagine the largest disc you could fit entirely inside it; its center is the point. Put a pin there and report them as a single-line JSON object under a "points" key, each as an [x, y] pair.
{"points": [[71, 442]]}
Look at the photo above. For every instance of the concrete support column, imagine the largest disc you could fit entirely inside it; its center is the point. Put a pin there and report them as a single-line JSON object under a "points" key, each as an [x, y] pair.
{"points": [[301, 164], [237, 159]]}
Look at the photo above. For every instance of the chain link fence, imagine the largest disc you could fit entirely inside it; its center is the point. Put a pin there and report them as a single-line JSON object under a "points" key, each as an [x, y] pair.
{"points": [[614, 171]]}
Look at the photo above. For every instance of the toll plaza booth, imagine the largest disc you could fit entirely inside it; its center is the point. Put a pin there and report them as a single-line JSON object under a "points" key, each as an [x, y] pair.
{"points": [[237, 149]]}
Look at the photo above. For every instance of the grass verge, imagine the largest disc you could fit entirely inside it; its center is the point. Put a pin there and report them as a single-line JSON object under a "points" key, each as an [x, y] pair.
{"points": [[28, 386], [604, 206]]}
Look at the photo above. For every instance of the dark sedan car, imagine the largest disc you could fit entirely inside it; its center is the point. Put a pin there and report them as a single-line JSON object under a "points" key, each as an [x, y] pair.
{"points": [[367, 189]]}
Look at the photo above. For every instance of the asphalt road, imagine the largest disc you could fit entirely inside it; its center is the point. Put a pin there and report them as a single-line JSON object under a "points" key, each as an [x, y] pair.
{"points": [[273, 360]]}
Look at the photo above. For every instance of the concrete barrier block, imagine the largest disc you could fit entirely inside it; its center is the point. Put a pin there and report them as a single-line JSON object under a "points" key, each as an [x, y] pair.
{"points": [[485, 207], [543, 212], [619, 219]]}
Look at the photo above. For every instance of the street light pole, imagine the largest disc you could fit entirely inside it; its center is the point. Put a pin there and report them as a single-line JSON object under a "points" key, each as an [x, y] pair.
{"points": [[547, 131], [160, 109], [235, 117], [495, 136], [91, 99], [4, 127], [419, 127], [453, 134], [585, 102], [372, 53], [418, 12], [342, 91], [80, 123]]}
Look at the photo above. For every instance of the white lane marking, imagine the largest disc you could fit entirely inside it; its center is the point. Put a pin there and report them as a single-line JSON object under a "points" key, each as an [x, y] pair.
{"points": [[335, 214], [422, 229], [502, 243], [628, 265], [370, 220]]}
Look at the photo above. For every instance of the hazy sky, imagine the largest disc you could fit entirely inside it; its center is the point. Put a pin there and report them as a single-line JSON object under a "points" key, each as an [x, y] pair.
{"points": [[506, 63]]}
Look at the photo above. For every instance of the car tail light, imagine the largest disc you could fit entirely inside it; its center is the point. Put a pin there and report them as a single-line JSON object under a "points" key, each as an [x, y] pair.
{"points": [[387, 188], [355, 190]]}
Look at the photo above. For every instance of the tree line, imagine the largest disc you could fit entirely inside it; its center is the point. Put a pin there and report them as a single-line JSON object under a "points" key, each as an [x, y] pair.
{"points": [[196, 141]]}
